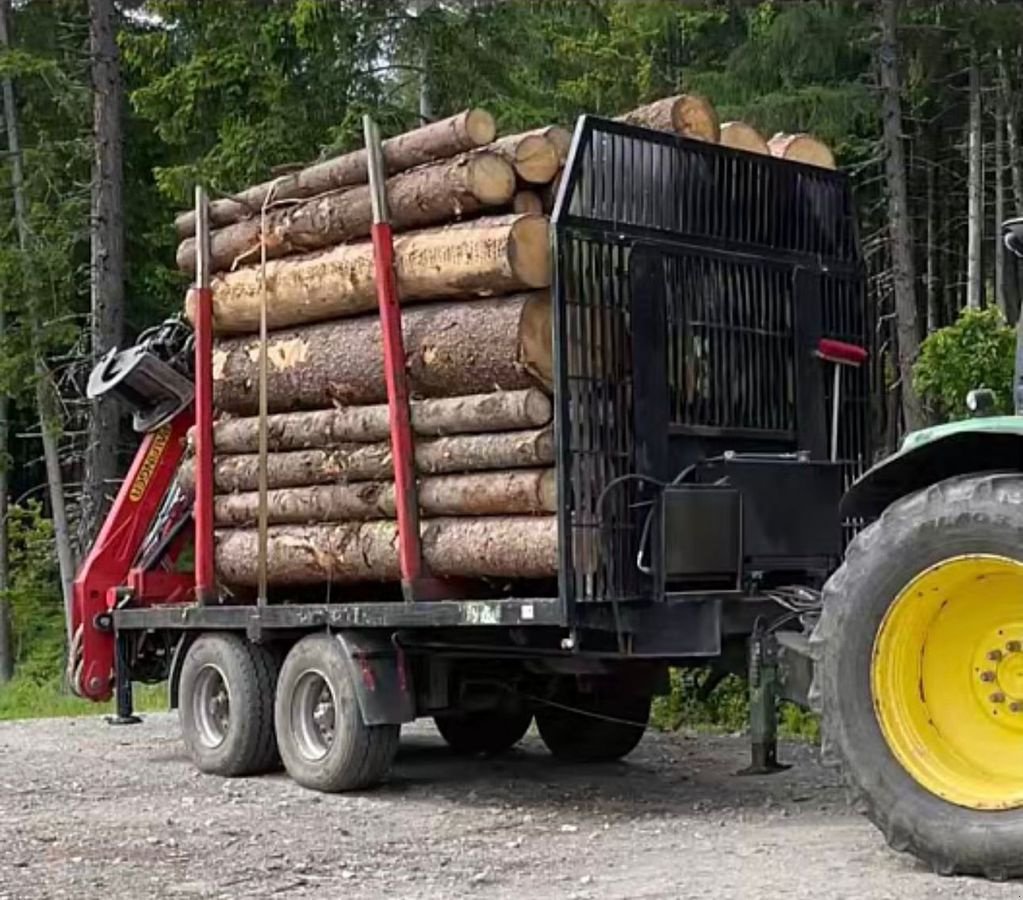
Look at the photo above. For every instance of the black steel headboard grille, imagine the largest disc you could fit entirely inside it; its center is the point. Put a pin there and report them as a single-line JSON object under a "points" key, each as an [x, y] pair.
{"points": [[734, 236]]}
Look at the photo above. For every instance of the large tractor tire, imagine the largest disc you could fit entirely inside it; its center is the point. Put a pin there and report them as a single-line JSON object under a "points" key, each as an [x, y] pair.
{"points": [[919, 674], [324, 742], [225, 705], [488, 732]]}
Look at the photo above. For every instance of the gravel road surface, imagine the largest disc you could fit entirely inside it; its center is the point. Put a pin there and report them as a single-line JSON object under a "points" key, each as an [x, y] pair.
{"points": [[90, 811]]}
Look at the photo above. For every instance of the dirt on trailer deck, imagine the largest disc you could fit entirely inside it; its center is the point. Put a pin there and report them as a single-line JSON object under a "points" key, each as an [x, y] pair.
{"points": [[88, 811]]}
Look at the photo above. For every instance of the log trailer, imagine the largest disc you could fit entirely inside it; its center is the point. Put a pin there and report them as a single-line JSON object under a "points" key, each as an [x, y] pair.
{"points": [[711, 400]]}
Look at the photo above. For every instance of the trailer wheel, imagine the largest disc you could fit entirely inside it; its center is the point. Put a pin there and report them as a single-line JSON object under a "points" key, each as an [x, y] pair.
{"points": [[593, 727], [323, 740], [489, 731], [919, 674], [225, 705]]}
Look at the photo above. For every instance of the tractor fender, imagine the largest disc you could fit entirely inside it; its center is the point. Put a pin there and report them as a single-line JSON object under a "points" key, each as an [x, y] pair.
{"points": [[381, 677], [993, 444]]}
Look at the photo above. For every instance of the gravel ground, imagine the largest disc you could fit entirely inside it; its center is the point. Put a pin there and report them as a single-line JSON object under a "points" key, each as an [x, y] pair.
{"points": [[90, 811]]}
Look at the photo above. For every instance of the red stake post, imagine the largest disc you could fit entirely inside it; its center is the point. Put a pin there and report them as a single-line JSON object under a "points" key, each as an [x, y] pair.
{"points": [[402, 450], [205, 583]]}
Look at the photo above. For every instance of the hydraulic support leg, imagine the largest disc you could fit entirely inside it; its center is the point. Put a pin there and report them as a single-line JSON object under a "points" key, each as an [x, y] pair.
{"points": [[125, 714], [763, 704]]}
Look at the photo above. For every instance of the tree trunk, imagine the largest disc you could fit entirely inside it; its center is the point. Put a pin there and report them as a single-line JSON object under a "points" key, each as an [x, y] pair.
{"points": [[975, 187], [526, 492], [476, 414], [933, 301], [1012, 108], [450, 349], [482, 257], [904, 270], [436, 140], [429, 195], [481, 547], [743, 137], [107, 259], [46, 407], [1000, 295], [689, 115], [533, 156], [802, 148], [370, 462], [527, 202]]}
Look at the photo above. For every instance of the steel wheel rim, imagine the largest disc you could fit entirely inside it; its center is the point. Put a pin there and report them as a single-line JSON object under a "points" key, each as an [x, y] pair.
{"points": [[211, 706], [947, 680], [314, 715]]}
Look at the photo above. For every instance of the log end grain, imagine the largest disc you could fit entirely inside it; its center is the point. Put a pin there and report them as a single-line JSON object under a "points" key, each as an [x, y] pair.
{"points": [[803, 148], [529, 251], [527, 202], [742, 136], [535, 159], [562, 140], [536, 338], [490, 179], [480, 127], [694, 116]]}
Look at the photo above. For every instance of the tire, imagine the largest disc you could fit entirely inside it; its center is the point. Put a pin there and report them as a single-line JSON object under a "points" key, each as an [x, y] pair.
{"points": [[489, 732], [584, 736], [886, 568], [225, 705], [324, 743]]}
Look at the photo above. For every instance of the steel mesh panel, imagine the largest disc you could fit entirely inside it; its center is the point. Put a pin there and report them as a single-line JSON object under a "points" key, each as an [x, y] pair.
{"points": [[731, 229]]}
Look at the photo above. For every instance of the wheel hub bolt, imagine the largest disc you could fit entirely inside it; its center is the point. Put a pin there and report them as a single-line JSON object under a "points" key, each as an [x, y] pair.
{"points": [[1016, 706], [994, 655], [1013, 646], [997, 697], [987, 676]]}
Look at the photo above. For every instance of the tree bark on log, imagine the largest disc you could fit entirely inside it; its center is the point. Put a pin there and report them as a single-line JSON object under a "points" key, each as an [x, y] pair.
{"points": [[370, 462], [802, 148], [532, 155], [437, 140], [450, 349], [526, 492], [475, 414], [482, 257], [689, 115], [743, 137], [481, 547], [429, 195]]}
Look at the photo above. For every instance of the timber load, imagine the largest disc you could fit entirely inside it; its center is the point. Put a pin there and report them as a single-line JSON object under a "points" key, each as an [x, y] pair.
{"points": [[473, 270]]}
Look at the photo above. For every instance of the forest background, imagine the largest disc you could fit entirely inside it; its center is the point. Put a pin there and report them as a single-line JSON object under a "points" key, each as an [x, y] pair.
{"points": [[113, 111]]}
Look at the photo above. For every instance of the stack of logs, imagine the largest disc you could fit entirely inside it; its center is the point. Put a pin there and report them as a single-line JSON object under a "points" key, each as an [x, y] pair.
{"points": [[473, 271]]}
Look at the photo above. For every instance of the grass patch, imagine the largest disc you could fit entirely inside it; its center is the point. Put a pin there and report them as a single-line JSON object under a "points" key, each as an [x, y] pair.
{"points": [[26, 698], [723, 710]]}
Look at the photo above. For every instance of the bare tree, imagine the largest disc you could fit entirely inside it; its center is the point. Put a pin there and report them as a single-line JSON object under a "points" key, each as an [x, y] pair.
{"points": [[903, 266], [1000, 296], [975, 193], [107, 255], [48, 416]]}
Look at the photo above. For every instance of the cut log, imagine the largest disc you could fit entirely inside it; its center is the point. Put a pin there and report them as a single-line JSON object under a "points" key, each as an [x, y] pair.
{"points": [[371, 462], [481, 547], [743, 137], [689, 115], [437, 140], [527, 202], [560, 137], [802, 148], [481, 257], [532, 155], [450, 348], [549, 192], [475, 414], [527, 492], [429, 195]]}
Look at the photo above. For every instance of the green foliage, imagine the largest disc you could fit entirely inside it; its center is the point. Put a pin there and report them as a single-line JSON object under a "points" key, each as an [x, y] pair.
{"points": [[24, 698], [976, 351]]}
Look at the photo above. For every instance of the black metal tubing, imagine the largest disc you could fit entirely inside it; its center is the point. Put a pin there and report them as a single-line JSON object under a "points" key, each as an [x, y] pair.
{"points": [[645, 218]]}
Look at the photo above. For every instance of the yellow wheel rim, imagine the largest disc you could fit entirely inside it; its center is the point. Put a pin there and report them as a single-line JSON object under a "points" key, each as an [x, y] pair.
{"points": [[947, 680]]}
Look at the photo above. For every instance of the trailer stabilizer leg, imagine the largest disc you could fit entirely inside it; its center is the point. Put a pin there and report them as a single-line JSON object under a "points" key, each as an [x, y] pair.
{"points": [[125, 714], [763, 705]]}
